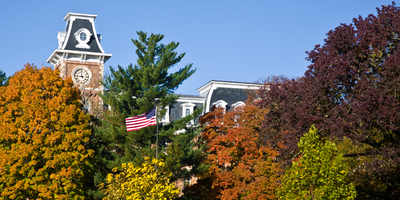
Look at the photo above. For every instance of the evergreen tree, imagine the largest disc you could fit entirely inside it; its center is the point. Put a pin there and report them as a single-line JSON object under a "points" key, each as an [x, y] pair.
{"points": [[132, 91], [3, 78]]}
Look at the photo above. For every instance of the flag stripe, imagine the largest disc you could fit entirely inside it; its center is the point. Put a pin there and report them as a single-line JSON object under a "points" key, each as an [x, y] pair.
{"points": [[152, 120], [141, 121]]}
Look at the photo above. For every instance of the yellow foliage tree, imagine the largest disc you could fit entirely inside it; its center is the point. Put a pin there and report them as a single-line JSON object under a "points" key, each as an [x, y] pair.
{"points": [[146, 182], [43, 136]]}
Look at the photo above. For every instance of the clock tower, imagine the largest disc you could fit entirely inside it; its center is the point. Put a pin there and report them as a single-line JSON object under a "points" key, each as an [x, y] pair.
{"points": [[80, 56]]}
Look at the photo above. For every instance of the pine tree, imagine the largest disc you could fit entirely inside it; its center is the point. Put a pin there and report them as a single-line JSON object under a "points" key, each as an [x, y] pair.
{"points": [[3, 78], [132, 91]]}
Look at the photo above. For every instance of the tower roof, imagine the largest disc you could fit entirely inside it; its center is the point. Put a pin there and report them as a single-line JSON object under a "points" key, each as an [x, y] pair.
{"points": [[80, 15], [80, 34], [79, 38]]}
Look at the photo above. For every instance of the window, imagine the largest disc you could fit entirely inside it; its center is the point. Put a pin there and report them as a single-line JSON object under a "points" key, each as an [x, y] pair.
{"points": [[82, 36], [187, 111], [220, 103], [238, 104]]}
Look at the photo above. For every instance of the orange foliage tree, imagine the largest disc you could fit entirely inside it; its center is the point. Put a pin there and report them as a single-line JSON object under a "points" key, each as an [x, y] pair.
{"points": [[43, 137], [240, 166]]}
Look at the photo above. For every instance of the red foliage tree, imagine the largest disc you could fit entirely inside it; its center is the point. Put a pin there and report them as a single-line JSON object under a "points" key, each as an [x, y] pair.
{"points": [[240, 166], [351, 89]]}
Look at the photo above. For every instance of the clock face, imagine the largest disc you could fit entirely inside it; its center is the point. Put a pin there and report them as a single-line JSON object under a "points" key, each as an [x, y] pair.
{"points": [[81, 76]]}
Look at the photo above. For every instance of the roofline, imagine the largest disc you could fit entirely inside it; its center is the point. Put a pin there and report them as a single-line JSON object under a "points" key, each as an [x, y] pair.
{"points": [[228, 83], [106, 55], [70, 14], [189, 96], [191, 99]]}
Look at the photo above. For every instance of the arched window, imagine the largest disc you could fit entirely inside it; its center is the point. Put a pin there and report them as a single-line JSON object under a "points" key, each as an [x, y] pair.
{"points": [[187, 111], [237, 104], [220, 103]]}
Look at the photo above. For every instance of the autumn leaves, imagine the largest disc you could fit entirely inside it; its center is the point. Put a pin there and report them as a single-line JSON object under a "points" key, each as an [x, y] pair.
{"points": [[43, 137]]}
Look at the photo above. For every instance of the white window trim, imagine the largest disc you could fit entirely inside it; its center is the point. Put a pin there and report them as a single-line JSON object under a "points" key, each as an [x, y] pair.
{"points": [[189, 106], [220, 103], [82, 43], [238, 104], [166, 116]]}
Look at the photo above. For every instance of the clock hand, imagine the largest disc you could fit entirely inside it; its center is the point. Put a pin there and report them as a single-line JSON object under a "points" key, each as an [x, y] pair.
{"points": [[80, 75]]}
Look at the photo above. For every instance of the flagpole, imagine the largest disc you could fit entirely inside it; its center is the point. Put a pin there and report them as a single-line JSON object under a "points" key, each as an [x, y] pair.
{"points": [[157, 132], [157, 100]]}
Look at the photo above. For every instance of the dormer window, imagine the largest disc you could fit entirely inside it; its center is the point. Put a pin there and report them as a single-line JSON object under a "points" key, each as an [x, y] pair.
{"points": [[187, 109], [238, 104], [83, 37], [220, 103]]}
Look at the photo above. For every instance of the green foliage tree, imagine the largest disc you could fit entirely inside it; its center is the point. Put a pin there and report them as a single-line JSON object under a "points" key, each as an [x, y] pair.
{"points": [[319, 173], [184, 150], [132, 91], [3, 78], [43, 138], [148, 181]]}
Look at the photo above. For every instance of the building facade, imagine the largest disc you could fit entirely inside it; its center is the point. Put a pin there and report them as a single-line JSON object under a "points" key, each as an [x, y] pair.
{"points": [[80, 56], [226, 94]]}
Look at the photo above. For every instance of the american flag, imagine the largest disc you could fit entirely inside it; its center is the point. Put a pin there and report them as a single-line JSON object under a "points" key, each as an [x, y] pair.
{"points": [[141, 121]]}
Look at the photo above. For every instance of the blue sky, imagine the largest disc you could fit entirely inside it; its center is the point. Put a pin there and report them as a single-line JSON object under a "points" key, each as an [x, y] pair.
{"points": [[232, 40]]}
